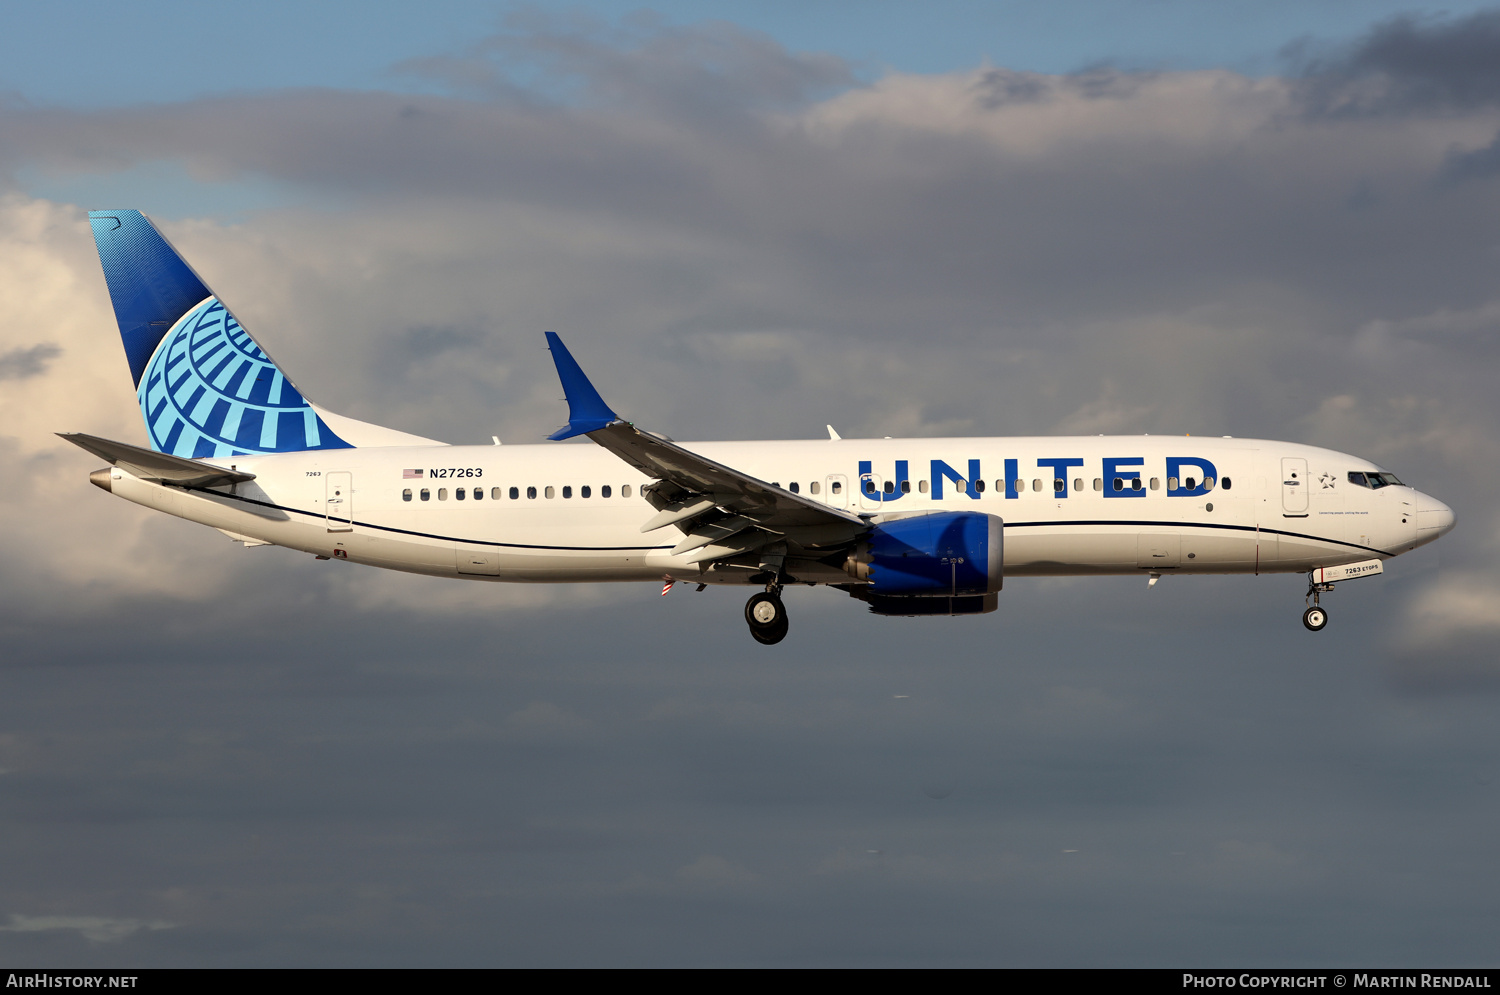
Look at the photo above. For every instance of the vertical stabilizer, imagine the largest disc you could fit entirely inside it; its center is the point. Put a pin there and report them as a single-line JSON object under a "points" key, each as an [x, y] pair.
{"points": [[206, 388]]}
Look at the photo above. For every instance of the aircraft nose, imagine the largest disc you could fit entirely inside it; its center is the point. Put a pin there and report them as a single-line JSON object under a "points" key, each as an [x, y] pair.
{"points": [[1434, 518]]}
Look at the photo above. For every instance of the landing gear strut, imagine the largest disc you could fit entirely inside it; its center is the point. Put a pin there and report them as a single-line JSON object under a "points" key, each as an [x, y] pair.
{"points": [[767, 616], [1316, 616]]}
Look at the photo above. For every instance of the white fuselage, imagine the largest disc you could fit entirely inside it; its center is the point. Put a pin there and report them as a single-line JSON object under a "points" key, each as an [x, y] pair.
{"points": [[1271, 507]]}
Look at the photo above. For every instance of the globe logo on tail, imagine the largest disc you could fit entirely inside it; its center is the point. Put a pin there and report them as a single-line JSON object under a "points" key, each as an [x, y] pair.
{"points": [[210, 392]]}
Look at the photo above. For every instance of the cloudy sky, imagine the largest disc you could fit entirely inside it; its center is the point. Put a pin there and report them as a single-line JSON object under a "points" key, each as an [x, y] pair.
{"points": [[749, 219]]}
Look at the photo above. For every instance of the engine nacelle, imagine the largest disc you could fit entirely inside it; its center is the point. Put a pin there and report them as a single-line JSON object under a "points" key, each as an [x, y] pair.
{"points": [[948, 554]]}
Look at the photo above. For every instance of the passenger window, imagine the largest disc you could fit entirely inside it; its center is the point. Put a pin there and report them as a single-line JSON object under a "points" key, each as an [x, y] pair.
{"points": [[550, 491], [584, 491], [813, 487], [1098, 483], [515, 493], [567, 492], [531, 493], [625, 490], [1036, 485], [978, 487], [1078, 483], [1156, 483], [1191, 482], [479, 494], [1171, 484], [459, 494], [494, 493], [442, 493], [794, 487], [1018, 484], [406, 494], [1135, 484], [905, 487], [889, 487], [1225, 483], [1059, 485], [604, 491], [838, 486], [1000, 485], [1208, 483], [426, 494], [921, 486]]}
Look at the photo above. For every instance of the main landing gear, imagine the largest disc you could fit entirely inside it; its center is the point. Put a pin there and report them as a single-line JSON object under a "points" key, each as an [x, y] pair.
{"points": [[1316, 616], [767, 616]]}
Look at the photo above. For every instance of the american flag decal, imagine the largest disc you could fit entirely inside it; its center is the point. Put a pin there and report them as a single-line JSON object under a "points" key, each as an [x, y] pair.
{"points": [[411, 474]]}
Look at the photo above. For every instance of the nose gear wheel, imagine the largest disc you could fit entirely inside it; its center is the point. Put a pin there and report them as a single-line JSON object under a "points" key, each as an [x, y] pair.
{"points": [[1315, 618]]}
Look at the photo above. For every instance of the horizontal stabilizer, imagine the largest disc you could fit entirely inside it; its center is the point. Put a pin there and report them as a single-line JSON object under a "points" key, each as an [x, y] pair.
{"points": [[161, 468]]}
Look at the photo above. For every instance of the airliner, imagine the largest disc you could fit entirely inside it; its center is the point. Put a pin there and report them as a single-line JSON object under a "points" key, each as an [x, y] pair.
{"points": [[909, 527]]}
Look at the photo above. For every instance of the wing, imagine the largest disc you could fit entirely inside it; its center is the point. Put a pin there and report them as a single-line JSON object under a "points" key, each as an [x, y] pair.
{"points": [[722, 512], [159, 467]]}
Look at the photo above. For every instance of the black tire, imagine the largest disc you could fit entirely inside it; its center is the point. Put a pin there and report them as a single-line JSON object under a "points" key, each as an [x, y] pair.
{"points": [[1315, 619], [771, 636], [766, 616]]}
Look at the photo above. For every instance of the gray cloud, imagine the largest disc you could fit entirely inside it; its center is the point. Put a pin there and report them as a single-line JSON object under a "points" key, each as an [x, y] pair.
{"points": [[1410, 64], [19, 364]]}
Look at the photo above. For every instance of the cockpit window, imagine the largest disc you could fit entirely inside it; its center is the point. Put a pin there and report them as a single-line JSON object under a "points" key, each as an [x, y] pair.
{"points": [[1374, 481]]}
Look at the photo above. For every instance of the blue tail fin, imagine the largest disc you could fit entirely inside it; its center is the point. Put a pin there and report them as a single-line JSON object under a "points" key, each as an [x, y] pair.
{"points": [[205, 387]]}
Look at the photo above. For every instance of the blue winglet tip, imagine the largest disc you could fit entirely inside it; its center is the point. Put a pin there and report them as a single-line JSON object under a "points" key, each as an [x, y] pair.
{"points": [[587, 411]]}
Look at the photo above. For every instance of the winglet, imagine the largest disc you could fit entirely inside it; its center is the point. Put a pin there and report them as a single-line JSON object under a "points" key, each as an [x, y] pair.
{"points": [[587, 411]]}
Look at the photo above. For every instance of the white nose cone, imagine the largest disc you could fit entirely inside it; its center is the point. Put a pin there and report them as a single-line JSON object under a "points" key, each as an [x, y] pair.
{"points": [[1434, 518]]}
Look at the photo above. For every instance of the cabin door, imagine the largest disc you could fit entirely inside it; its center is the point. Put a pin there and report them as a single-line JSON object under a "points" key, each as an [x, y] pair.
{"points": [[1294, 486], [338, 500]]}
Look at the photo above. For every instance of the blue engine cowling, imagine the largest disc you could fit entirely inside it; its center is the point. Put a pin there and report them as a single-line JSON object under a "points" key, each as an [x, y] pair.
{"points": [[950, 554]]}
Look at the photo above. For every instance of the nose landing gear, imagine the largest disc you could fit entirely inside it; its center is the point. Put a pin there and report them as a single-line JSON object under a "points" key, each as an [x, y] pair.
{"points": [[767, 616], [1316, 616]]}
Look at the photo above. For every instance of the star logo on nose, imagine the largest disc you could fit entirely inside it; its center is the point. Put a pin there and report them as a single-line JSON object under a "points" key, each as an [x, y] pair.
{"points": [[1326, 479]]}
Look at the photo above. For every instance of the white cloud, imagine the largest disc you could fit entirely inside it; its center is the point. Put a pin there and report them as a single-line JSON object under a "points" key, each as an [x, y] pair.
{"points": [[95, 929], [1460, 606]]}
